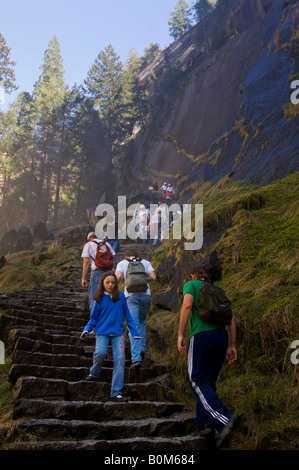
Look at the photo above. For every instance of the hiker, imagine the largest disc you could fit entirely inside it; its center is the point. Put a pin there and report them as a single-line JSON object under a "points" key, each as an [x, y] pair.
{"points": [[170, 189], [113, 226], [158, 222], [109, 309], [209, 346], [138, 297], [89, 255], [142, 224], [164, 187], [168, 196]]}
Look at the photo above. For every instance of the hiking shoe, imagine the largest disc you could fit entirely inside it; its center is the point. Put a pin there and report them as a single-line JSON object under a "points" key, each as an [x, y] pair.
{"points": [[119, 399], [136, 365], [90, 378], [226, 434]]}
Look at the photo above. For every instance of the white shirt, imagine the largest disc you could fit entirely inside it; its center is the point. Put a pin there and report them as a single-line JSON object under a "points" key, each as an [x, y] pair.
{"points": [[122, 267], [90, 251]]}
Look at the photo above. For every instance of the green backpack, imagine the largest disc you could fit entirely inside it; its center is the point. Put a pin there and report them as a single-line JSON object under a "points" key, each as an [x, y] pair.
{"points": [[136, 277], [213, 305]]}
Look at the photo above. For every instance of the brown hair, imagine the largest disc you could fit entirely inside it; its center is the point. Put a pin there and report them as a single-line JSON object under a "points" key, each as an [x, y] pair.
{"points": [[100, 289], [131, 252], [200, 272]]}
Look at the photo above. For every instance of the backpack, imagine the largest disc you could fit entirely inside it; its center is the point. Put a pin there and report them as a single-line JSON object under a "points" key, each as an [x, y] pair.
{"points": [[104, 259], [136, 277], [213, 305]]}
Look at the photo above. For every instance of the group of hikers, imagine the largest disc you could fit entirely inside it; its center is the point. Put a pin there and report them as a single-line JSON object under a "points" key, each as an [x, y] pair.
{"points": [[210, 343]]}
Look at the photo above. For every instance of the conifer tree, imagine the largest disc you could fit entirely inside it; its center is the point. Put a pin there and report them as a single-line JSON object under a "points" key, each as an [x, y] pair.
{"points": [[180, 19], [7, 76], [104, 85], [50, 97]]}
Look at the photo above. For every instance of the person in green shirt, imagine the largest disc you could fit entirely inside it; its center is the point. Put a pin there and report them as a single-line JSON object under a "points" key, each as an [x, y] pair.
{"points": [[209, 346]]}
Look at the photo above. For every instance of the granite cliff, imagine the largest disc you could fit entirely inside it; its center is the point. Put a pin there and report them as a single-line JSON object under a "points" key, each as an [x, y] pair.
{"points": [[224, 105]]}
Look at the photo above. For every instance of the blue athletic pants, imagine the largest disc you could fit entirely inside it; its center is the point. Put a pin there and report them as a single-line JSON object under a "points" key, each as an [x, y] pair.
{"points": [[206, 354]]}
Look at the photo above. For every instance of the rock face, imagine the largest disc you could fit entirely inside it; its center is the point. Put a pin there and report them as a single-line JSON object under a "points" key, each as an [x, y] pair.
{"points": [[222, 109]]}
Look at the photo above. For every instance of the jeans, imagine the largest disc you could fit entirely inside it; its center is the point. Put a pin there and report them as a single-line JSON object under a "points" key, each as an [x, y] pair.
{"points": [[118, 350], [206, 354], [139, 305], [92, 286]]}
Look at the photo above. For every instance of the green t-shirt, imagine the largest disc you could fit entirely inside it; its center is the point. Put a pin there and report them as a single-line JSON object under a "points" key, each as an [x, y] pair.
{"points": [[196, 324]]}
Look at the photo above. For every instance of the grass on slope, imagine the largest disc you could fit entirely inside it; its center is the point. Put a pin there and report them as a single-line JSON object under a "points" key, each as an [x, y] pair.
{"points": [[259, 251]]}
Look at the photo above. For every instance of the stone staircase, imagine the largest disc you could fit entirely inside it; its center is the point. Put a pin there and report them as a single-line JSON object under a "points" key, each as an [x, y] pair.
{"points": [[55, 408]]}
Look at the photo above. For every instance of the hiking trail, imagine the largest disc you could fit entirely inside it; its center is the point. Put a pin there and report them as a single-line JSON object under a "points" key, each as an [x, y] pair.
{"points": [[55, 408]]}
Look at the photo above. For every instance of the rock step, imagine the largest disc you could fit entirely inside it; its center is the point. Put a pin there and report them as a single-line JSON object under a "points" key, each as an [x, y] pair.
{"points": [[59, 389], [30, 346], [23, 357], [93, 410], [109, 430], [9, 322], [74, 374], [50, 318], [173, 444], [33, 305], [55, 339]]}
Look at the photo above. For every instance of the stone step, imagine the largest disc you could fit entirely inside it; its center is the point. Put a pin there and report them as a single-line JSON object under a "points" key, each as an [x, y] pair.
{"points": [[36, 346], [75, 373], [51, 318], [50, 359], [8, 322], [109, 430], [33, 305], [53, 338], [93, 411], [64, 359], [158, 389], [150, 444]]}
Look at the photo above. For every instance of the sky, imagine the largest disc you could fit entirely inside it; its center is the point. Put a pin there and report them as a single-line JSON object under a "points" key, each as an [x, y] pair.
{"points": [[83, 28]]}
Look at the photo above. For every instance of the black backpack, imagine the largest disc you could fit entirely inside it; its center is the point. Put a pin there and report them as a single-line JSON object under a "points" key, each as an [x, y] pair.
{"points": [[213, 305], [136, 277]]}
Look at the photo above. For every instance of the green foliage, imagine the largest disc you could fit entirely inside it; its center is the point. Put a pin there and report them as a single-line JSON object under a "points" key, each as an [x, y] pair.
{"points": [[180, 20], [258, 248], [7, 76]]}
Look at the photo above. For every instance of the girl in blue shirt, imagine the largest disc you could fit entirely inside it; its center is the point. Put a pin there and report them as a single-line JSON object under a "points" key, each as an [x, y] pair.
{"points": [[109, 309]]}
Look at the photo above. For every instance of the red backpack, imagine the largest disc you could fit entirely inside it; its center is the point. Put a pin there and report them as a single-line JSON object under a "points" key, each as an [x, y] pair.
{"points": [[104, 258]]}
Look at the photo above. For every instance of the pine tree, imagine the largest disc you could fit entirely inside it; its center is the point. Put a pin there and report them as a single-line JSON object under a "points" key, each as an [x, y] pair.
{"points": [[180, 19], [134, 99], [50, 97], [104, 85], [7, 76]]}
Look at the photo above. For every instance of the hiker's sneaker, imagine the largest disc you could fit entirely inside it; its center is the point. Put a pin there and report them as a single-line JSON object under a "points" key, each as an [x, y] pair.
{"points": [[226, 434], [119, 399], [136, 365], [90, 378]]}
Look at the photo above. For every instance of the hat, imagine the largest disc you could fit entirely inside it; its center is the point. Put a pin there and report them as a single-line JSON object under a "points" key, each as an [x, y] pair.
{"points": [[142, 206], [91, 234]]}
